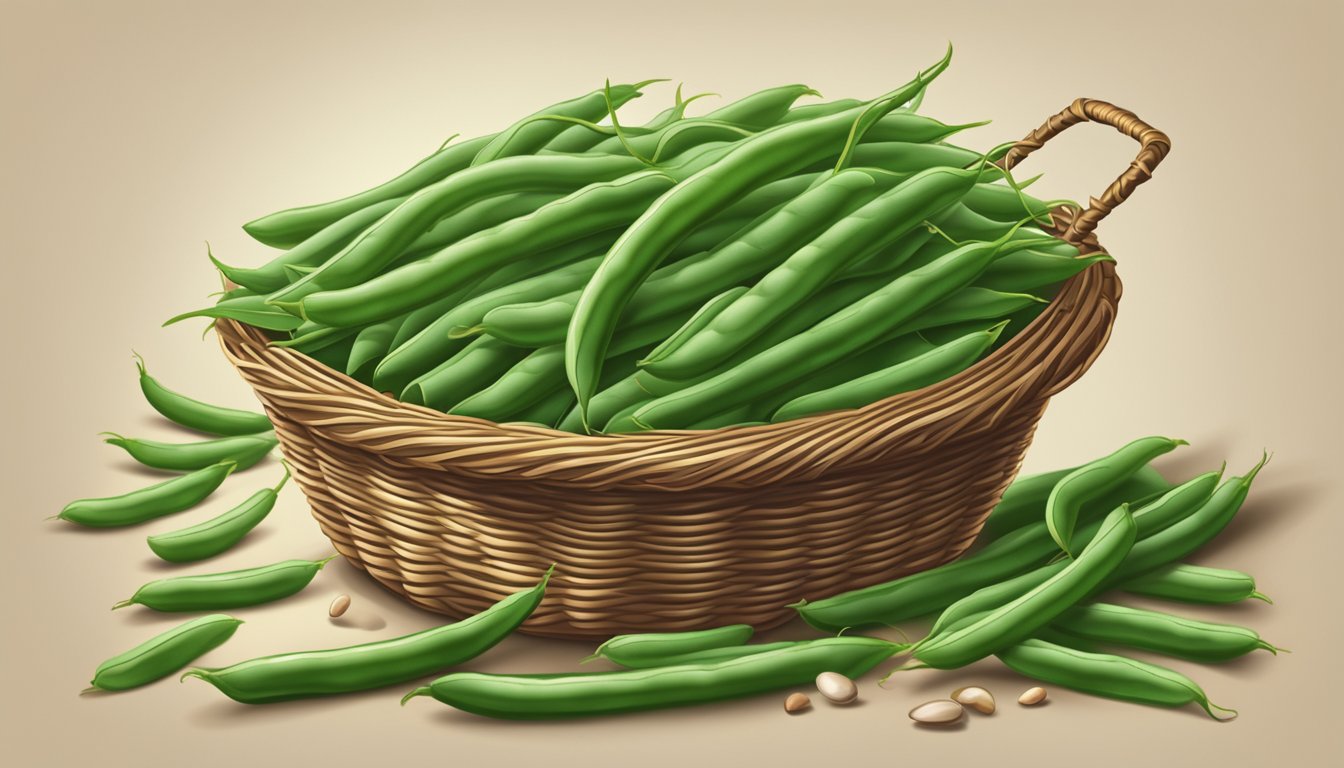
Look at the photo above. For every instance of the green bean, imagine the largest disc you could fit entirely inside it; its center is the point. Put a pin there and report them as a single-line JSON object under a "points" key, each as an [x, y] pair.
{"points": [[418, 354], [475, 217], [909, 127], [1095, 478], [482, 361], [218, 534], [1114, 677], [926, 592], [1018, 620], [887, 353], [1150, 518], [244, 451], [304, 674], [157, 500], [971, 305], [1163, 633], [763, 109], [906, 157], [1195, 584], [530, 134], [530, 697], [648, 648], [315, 249], [164, 654], [1183, 538], [231, 589], [584, 138], [527, 383], [610, 401], [370, 346], [932, 366], [853, 328], [288, 228], [864, 231], [333, 351], [699, 320], [1023, 503], [1003, 203], [252, 310], [348, 279], [770, 155], [196, 415], [1029, 271]]}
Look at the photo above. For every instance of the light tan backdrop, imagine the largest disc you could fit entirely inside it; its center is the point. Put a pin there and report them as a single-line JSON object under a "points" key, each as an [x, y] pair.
{"points": [[133, 131]]}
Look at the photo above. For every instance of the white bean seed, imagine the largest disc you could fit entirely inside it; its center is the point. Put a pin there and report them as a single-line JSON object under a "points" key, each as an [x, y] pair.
{"points": [[837, 688]]}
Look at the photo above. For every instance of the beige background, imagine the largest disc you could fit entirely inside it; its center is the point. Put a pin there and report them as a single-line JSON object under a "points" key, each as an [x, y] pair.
{"points": [[131, 132]]}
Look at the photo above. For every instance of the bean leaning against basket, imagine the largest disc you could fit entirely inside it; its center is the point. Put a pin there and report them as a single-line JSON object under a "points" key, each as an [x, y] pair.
{"points": [[1095, 478], [535, 697], [219, 534], [1018, 620], [312, 252], [852, 328], [348, 278], [765, 157], [164, 654], [1175, 636], [244, 451], [530, 134], [1150, 518], [289, 228], [1195, 584], [1023, 503], [481, 362], [922, 593], [1099, 674], [157, 500], [196, 415], [930, 367], [645, 649], [1028, 270], [707, 655], [528, 382], [304, 674], [231, 589]]}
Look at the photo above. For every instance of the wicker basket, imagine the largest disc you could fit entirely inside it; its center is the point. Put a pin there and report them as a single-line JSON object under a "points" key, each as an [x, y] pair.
{"points": [[679, 530]]}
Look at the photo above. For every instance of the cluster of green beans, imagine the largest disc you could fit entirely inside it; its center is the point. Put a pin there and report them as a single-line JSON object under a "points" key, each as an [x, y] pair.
{"points": [[1018, 597], [763, 262]]}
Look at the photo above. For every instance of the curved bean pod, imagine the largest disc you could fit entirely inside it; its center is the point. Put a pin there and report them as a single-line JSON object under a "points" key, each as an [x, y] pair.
{"points": [[145, 504], [243, 450], [304, 674], [164, 654], [231, 589], [219, 534], [531, 134], [1195, 584], [649, 648], [195, 414], [1163, 633], [1114, 677]]}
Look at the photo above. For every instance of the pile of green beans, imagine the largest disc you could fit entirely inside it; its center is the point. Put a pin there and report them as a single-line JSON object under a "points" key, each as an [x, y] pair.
{"points": [[583, 274]]}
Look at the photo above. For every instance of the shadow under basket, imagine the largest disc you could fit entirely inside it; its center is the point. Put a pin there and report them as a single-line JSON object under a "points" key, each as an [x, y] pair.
{"points": [[681, 530]]}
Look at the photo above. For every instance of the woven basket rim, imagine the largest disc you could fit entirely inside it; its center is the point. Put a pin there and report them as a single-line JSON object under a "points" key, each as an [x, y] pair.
{"points": [[1039, 361]]}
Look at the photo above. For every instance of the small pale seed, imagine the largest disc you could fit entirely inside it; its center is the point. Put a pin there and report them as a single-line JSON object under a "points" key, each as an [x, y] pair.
{"points": [[339, 606], [937, 712], [976, 698], [1032, 696], [837, 688], [796, 702]]}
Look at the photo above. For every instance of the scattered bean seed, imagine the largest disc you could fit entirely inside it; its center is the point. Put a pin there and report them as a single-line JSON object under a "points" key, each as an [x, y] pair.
{"points": [[937, 712], [1032, 696], [339, 606], [837, 688], [797, 702], [976, 698]]}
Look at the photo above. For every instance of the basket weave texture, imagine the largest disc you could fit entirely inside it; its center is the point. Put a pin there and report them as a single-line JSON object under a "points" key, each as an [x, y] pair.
{"points": [[682, 530]]}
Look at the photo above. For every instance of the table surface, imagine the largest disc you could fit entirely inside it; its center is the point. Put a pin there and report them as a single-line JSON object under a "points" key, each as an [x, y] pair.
{"points": [[133, 132]]}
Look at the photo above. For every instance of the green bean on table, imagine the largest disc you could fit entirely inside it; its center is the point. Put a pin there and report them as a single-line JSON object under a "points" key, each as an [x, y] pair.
{"points": [[218, 534], [144, 504], [231, 589], [243, 450], [1175, 636], [304, 674], [532, 697], [195, 414], [648, 648], [163, 654], [1106, 675], [1195, 584]]}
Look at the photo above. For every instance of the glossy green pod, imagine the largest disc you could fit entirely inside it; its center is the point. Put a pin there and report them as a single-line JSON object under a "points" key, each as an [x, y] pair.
{"points": [[219, 534]]}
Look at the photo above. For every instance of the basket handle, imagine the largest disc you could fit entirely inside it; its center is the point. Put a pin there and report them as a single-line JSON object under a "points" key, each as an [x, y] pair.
{"points": [[1153, 147]]}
